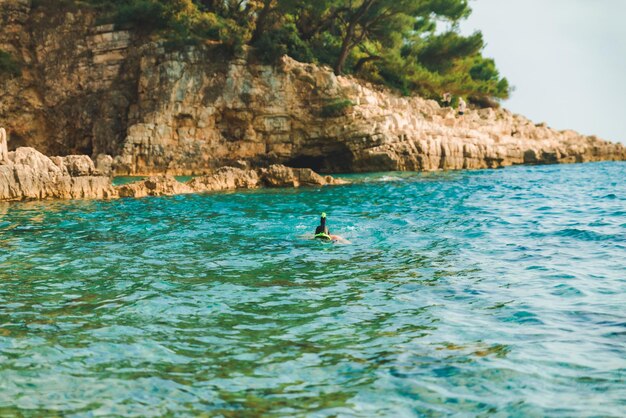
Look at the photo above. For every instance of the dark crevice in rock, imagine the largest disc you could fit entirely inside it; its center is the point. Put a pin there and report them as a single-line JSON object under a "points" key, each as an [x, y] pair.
{"points": [[334, 162]]}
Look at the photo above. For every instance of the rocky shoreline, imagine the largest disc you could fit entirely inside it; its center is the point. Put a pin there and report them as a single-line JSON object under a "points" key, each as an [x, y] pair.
{"points": [[26, 174], [228, 178]]}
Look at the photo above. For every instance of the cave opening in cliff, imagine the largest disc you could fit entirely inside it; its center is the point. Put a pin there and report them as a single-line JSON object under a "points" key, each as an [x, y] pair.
{"points": [[335, 161]]}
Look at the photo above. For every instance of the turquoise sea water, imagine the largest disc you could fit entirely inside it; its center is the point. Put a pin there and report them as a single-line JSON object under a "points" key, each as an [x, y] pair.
{"points": [[491, 293]]}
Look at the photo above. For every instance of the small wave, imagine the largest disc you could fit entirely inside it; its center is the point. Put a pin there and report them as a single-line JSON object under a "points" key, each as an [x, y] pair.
{"points": [[584, 234], [566, 290], [600, 222], [524, 317], [580, 234]]}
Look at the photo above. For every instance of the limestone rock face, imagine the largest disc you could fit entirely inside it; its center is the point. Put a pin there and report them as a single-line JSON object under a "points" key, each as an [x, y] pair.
{"points": [[192, 116], [77, 81], [28, 174], [194, 110]]}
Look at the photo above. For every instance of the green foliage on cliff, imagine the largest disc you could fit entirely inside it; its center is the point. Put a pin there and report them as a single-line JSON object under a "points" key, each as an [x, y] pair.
{"points": [[336, 107], [145, 15], [414, 46], [285, 40], [8, 65]]}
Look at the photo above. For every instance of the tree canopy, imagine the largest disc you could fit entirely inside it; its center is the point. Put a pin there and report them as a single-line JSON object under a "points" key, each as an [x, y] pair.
{"points": [[414, 46]]}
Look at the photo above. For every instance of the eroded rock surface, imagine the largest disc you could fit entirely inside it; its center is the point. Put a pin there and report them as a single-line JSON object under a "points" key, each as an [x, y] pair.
{"points": [[191, 117]]}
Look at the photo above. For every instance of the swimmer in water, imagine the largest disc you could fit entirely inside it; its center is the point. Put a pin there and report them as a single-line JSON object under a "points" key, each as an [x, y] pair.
{"points": [[322, 232]]}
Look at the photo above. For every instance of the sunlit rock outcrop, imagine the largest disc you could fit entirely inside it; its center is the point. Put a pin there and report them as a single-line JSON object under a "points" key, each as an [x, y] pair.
{"points": [[154, 186], [280, 176], [27, 174]]}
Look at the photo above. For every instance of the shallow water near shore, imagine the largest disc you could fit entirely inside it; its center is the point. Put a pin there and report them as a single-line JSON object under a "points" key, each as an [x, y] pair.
{"points": [[486, 292]]}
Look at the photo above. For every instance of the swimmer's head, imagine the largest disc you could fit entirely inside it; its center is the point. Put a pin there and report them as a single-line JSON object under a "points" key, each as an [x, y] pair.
{"points": [[322, 228]]}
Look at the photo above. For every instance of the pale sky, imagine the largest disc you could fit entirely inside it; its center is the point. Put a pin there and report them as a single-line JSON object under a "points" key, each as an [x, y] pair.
{"points": [[566, 59]]}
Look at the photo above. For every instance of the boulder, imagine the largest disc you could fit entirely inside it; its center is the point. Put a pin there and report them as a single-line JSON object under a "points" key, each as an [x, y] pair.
{"points": [[79, 165], [28, 174], [154, 186], [104, 164], [281, 176], [226, 178], [25, 157]]}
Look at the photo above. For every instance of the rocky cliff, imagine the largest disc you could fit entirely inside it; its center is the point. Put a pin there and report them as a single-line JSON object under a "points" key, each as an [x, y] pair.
{"points": [[90, 89]]}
